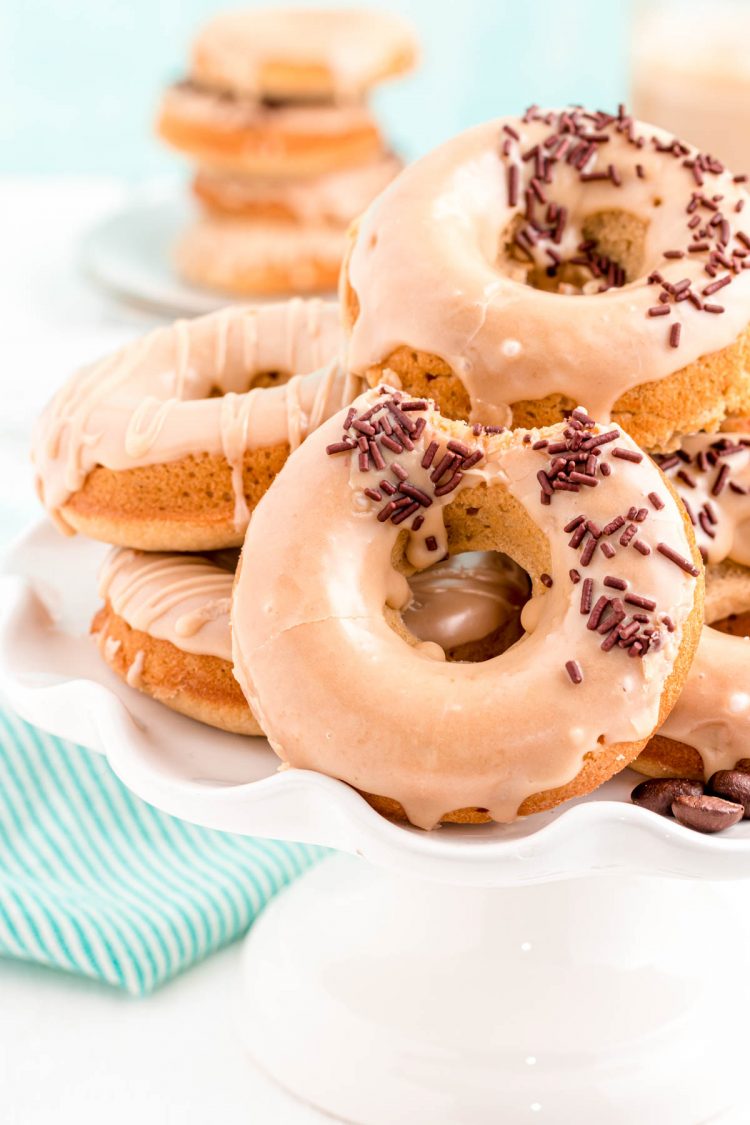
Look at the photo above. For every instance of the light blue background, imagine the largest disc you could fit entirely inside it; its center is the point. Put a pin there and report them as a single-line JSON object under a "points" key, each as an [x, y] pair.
{"points": [[80, 79]]}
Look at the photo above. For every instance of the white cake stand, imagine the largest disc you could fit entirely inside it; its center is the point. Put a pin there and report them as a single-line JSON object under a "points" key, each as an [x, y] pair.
{"points": [[580, 966]]}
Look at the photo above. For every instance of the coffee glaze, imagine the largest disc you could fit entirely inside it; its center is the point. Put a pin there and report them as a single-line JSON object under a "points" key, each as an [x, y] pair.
{"points": [[430, 270], [183, 599], [149, 403], [317, 603], [466, 599], [243, 51]]}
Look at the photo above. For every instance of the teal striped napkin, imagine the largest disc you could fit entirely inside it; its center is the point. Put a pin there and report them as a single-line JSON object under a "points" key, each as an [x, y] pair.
{"points": [[95, 881]]}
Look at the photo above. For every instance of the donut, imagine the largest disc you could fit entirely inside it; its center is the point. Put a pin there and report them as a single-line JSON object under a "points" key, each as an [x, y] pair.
{"points": [[709, 728], [168, 443], [252, 257], [330, 199], [461, 276], [164, 629], [277, 235], [384, 489], [296, 54], [241, 135]]}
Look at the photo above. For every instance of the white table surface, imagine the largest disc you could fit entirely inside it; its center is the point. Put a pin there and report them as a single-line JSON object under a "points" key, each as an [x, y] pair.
{"points": [[72, 1051]]}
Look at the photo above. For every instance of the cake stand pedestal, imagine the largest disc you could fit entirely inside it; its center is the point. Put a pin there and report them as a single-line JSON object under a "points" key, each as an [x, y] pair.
{"points": [[585, 966]]}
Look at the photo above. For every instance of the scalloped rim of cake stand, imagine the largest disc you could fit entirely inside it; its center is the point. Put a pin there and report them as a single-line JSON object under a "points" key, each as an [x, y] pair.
{"points": [[230, 783]]}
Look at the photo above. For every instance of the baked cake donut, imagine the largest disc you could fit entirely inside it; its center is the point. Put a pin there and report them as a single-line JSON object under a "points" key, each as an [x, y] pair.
{"points": [[566, 256], [330, 199], [168, 443], [241, 257], [275, 234], [238, 134], [292, 54], [385, 488], [281, 91], [709, 728], [164, 629]]}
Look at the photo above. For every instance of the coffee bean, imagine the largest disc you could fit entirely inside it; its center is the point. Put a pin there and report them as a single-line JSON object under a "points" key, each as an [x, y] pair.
{"points": [[707, 814], [658, 793], [732, 785]]}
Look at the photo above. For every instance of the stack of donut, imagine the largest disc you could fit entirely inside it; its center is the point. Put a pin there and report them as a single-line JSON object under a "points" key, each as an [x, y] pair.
{"points": [[273, 113], [476, 588]]}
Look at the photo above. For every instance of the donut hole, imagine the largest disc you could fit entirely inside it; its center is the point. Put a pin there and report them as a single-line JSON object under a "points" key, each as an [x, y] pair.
{"points": [[484, 526], [470, 604], [610, 252], [257, 379]]}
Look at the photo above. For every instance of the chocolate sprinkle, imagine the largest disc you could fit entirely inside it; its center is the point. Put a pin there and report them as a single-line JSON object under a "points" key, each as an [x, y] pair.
{"points": [[673, 556], [573, 668]]}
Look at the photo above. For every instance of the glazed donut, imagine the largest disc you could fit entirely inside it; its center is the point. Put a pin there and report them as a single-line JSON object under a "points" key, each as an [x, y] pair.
{"points": [[238, 134], [709, 728], [610, 630], [293, 53], [164, 629], [461, 277], [331, 199], [169, 443], [276, 235], [246, 257]]}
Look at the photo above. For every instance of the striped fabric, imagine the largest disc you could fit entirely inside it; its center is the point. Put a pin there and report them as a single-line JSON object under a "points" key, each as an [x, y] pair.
{"points": [[96, 882]]}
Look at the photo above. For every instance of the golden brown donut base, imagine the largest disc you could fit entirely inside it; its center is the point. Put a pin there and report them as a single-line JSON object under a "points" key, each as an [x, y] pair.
{"points": [[665, 757], [502, 524], [268, 150], [185, 505], [220, 253], [201, 687], [656, 415]]}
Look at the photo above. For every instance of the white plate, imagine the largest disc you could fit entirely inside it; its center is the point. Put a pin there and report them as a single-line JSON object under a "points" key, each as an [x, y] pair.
{"points": [[130, 254]]}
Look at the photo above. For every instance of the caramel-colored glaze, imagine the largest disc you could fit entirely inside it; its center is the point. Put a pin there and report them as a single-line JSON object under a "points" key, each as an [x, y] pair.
{"points": [[470, 605]]}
